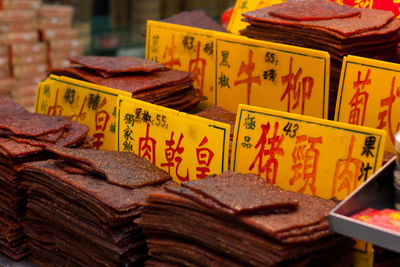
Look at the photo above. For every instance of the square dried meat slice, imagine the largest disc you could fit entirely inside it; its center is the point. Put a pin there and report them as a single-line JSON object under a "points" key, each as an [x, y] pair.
{"points": [[195, 18], [368, 20], [122, 64], [130, 83], [313, 10], [20, 122], [119, 168], [244, 193]]}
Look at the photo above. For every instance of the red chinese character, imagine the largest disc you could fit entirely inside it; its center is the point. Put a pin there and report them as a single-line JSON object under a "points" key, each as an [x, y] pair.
{"points": [[147, 146], [263, 3], [55, 110], [297, 88], [347, 172], [360, 98], [385, 116], [204, 157], [97, 143], [195, 68], [248, 69], [170, 51], [102, 119], [271, 166], [305, 162], [171, 154]]}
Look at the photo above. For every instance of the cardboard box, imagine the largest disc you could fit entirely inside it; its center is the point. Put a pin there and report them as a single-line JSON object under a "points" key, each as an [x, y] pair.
{"points": [[64, 54], [24, 49], [34, 58], [6, 86], [28, 70], [61, 11], [19, 37], [7, 27], [20, 4], [58, 34], [17, 15], [54, 22], [57, 45]]}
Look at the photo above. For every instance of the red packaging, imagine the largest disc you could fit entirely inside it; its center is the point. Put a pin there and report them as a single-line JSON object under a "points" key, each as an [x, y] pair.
{"points": [[389, 5], [23, 49], [29, 70], [58, 34], [19, 37], [17, 16], [56, 11], [54, 23], [387, 218], [20, 4]]}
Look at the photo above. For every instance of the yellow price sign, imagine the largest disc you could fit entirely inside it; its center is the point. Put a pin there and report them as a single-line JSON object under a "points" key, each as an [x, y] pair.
{"points": [[369, 95], [241, 6], [184, 48], [304, 154], [187, 146], [271, 75], [90, 104]]}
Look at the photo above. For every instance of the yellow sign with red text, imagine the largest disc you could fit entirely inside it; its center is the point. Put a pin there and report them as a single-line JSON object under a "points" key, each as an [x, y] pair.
{"points": [[369, 95], [184, 48], [271, 75], [304, 154], [241, 6], [186, 146], [90, 104]]}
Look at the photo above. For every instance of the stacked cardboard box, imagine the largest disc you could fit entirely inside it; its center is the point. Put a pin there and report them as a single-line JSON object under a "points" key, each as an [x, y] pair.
{"points": [[55, 24], [20, 63]]}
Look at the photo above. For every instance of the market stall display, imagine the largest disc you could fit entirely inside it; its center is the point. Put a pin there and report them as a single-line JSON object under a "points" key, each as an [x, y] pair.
{"points": [[19, 129], [235, 219], [169, 88], [88, 200], [340, 30]]}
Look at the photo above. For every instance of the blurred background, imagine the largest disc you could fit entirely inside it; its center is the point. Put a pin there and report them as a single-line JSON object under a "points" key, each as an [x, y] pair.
{"points": [[115, 27]]}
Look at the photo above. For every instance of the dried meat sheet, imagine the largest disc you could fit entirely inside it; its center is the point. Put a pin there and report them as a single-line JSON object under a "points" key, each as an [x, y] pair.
{"points": [[120, 64], [119, 168], [368, 20], [130, 83], [244, 193], [185, 253], [313, 10], [195, 18], [11, 148], [218, 114], [91, 190]]}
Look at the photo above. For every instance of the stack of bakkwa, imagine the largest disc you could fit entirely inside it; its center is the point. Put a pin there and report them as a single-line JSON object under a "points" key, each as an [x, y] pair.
{"points": [[325, 25], [146, 80], [23, 136], [81, 207], [240, 219]]}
